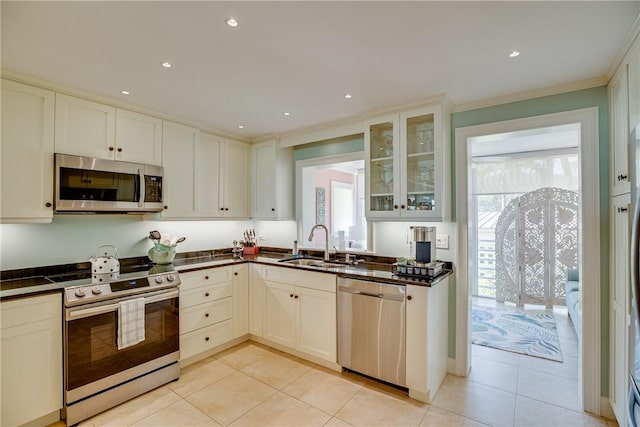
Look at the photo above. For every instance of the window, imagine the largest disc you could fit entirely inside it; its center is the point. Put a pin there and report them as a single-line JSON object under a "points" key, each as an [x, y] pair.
{"points": [[330, 191]]}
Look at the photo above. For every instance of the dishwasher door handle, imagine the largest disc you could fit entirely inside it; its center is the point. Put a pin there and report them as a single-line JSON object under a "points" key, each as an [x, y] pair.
{"points": [[368, 294]]}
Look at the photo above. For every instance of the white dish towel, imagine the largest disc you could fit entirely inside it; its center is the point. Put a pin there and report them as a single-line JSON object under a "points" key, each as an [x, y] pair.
{"points": [[130, 322]]}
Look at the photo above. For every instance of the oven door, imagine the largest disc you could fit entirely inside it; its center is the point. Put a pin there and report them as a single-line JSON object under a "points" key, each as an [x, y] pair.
{"points": [[92, 360]]}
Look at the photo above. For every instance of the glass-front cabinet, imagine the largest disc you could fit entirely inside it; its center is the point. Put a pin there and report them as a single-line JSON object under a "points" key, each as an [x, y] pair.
{"points": [[407, 166]]}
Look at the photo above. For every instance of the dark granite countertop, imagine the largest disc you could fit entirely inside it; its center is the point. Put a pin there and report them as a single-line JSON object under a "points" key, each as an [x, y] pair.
{"points": [[35, 281]]}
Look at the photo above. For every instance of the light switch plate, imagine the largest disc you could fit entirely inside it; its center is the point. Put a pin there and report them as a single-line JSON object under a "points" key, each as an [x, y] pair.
{"points": [[442, 241]]}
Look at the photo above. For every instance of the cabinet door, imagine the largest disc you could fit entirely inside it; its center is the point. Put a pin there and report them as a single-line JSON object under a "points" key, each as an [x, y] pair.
{"points": [[620, 305], [84, 128], [382, 167], [279, 313], [178, 158], [26, 173], [138, 138], [633, 71], [420, 166], [256, 299], [317, 334], [31, 355], [264, 180], [416, 316], [619, 135], [235, 179], [207, 176], [240, 300]]}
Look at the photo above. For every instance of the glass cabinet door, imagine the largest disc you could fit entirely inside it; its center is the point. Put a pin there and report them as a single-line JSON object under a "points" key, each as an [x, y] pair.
{"points": [[420, 163], [382, 138]]}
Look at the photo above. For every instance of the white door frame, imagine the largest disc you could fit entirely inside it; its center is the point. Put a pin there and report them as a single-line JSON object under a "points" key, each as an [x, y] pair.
{"points": [[590, 343]]}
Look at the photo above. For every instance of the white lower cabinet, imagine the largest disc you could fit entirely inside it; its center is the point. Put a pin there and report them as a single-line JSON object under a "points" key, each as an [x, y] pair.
{"points": [[206, 310], [257, 290], [240, 300], [300, 311], [427, 319], [31, 354]]}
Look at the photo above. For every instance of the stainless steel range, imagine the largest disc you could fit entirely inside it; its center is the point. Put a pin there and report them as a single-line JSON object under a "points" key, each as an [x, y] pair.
{"points": [[107, 360]]}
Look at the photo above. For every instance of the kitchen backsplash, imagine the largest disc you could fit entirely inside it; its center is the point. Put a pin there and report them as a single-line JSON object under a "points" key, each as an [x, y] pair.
{"points": [[73, 238]]}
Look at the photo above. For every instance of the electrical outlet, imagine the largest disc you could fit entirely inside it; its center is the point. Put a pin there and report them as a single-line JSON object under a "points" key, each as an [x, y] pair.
{"points": [[262, 236], [442, 241]]}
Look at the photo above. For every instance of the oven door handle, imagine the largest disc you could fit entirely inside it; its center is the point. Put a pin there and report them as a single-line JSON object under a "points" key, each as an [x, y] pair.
{"points": [[86, 312]]}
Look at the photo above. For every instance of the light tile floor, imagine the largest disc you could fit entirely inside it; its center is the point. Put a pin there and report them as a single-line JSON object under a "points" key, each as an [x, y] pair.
{"points": [[253, 385]]}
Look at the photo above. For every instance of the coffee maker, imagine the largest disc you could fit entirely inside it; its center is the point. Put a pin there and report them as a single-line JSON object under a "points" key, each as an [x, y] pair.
{"points": [[422, 242]]}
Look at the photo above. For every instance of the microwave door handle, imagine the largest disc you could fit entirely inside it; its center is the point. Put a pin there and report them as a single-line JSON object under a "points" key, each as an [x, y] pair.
{"points": [[141, 186]]}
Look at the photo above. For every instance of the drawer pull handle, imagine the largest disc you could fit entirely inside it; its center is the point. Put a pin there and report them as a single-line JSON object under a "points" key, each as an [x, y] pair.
{"points": [[206, 338], [207, 294]]}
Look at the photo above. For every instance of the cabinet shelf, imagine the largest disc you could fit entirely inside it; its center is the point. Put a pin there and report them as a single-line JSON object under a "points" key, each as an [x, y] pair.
{"points": [[381, 159], [381, 194], [421, 154]]}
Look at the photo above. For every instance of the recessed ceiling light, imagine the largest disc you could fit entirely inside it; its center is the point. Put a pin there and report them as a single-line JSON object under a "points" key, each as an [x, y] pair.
{"points": [[232, 22], [241, 127], [514, 54], [286, 113], [348, 96], [125, 92], [166, 64]]}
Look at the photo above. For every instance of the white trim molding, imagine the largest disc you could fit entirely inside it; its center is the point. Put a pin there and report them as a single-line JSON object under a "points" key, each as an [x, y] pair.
{"points": [[590, 343]]}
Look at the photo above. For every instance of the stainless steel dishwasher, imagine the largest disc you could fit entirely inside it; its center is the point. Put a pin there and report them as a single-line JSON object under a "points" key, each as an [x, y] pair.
{"points": [[371, 329]]}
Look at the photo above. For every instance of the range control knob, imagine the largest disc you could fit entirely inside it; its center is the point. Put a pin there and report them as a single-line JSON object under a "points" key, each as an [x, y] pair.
{"points": [[96, 290], [159, 279], [80, 292], [171, 277]]}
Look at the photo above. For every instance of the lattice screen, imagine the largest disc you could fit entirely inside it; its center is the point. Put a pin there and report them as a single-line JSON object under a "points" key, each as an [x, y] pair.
{"points": [[536, 242]]}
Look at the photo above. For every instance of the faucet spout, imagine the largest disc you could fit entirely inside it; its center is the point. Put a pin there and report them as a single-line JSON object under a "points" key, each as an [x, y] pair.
{"points": [[326, 239]]}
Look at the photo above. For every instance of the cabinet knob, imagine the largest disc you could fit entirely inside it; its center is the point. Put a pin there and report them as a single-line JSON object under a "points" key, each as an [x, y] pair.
{"points": [[402, 206], [290, 295], [206, 315], [273, 209], [395, 206], [296, 297], [207, 294], [48, 204], [206, 277], [166, 207], [409, 297], [226, 209], [235, 274], [119, 150], [206, 338], [110, 148], [221, 209]]}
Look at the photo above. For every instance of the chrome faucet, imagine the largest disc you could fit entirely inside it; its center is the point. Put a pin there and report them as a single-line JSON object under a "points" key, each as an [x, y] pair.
{"points": [[326, 239]]}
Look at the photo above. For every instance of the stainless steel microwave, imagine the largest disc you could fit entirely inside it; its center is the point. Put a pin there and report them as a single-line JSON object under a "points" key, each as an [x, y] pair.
{"points": [[86, 184]]}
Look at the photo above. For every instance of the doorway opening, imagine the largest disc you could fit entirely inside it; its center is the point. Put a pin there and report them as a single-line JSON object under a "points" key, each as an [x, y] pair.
{"points": [[512, 176]]}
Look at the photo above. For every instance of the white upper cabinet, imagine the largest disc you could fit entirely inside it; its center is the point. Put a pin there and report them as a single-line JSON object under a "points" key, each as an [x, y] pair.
{"points": [[633, 70], [178, 158], [618, 94], [272, 188], [407, 168], [87, 128], [205, 175], [138, 138], [27, 154], [221, 178]]}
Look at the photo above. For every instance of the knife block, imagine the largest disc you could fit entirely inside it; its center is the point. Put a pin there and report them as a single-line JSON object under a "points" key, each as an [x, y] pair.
{"points": [[250, 250]]}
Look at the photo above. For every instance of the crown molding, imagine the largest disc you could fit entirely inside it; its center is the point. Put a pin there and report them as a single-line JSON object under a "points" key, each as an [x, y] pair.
{"points": [[532, 94], [58, 88], [629, 46]]}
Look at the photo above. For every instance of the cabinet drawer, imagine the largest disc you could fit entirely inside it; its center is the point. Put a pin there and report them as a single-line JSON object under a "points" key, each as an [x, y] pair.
{"points": [[204, 294], [306, 279], [195, 279], [202, 315], [205, 339], [30, 310]]}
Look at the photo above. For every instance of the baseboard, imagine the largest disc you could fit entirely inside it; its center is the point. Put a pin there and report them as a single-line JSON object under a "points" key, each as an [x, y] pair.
{"points": [[222, 347], [45, 420], [451, 366]]}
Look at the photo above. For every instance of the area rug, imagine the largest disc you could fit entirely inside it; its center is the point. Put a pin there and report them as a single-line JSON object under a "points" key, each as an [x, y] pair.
{"points": [[526, 332]]}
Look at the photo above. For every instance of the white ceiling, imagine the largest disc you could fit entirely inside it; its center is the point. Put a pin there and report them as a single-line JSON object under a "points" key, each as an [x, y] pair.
{"points": [[303, 57]]}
